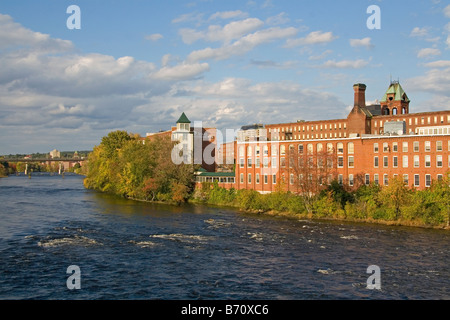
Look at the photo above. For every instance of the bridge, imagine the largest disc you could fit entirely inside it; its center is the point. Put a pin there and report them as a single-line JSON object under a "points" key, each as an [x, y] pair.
{"points": [[64, 163]]}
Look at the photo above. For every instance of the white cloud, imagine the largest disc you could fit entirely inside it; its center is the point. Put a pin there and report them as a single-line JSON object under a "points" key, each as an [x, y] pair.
{"points": [[439, 64], [315, 37], [231, 31], [345, 64], [182, 71], [428, 52], [420, 32], [243, 45], [321, 56], [228, 15], [154, 37], [365, 42], [279, 19], [447, 11]]}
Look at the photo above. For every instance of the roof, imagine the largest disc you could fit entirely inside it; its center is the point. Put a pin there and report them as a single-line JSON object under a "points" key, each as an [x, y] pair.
{"points": [[396, 89], [183, 119]]}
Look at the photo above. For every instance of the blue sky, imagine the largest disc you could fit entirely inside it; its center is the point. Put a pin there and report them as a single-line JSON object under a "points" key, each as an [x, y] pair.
{"points": [[137, 65]]}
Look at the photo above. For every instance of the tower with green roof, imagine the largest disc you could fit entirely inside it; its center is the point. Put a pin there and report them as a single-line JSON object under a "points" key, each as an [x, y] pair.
{"points": [[395, 101]]}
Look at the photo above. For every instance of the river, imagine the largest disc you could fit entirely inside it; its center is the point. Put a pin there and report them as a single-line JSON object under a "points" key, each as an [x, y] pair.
{"points": [[134, 250]]}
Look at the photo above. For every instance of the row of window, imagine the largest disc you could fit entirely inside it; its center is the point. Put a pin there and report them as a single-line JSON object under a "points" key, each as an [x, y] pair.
{"points": [[351, 179], [405, 146], [417, 120], [405, 161], [306, 128]]}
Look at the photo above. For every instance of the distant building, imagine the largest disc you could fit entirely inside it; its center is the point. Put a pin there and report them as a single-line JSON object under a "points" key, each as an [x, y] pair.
{"points": [[54, 154]]}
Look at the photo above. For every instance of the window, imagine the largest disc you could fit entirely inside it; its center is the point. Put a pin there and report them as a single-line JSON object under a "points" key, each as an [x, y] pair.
{"points": [[265, 162], [405, 161], [241, 151], [241, 162], [341, 179], [274, 162], [376, 179], [291, 179], [395, 164], [367, 179], [395, 146], [375, 147], [330, 148], [416, 180], [385, 162], [249, 151], [416, 146], [427, 180], [283, 162], [266, 150], [310, 148], [427, 161], [340, 162], [416, 162], [385, 147], [427, 146], [249, 162], [283, 150], [350, 180], [266, 179], [405, 179], [439, 177], [405, 146], [350, 148], [438, 145], [274, 151], [258, 162], [249, 178], [385, 179], [257, 178], [351, 162], [439, 161], [274, 179], [257, 150], [300, 149], [242, 178], [375, 162], [340, 148], [319, 147]]}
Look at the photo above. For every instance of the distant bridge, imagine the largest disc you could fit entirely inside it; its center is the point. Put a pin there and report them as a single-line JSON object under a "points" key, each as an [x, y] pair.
{"points": [[65, 164]]}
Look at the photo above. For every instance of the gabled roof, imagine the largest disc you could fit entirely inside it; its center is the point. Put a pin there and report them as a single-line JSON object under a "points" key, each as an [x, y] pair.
{"points": [[396, 89], [183, 119]]}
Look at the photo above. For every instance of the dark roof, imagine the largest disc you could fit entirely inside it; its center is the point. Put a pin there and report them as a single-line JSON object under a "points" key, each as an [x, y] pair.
{"points": [[183, 119], [252, 126]]}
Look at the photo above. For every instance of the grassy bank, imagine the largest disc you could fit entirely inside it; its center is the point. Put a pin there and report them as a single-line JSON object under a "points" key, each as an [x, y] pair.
{"points": [[391, 205]]}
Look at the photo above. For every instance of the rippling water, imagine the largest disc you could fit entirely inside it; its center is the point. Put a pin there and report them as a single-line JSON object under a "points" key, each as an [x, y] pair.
{"points": [[136, 250]]}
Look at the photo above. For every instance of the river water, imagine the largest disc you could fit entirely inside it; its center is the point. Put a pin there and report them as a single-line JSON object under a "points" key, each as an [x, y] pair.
{"points": [[135, 250]]}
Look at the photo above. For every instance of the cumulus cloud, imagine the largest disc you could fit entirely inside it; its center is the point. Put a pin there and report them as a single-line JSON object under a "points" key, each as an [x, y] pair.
{"points": [[428, 52], [315, 37], [447, 11], [438, 64], [154, 37], [365, 42], [243, 45], [231, 31], [228, 15]]}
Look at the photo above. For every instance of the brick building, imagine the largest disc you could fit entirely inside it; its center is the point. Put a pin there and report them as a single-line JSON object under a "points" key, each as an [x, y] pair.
{"points": [[373, 144]]}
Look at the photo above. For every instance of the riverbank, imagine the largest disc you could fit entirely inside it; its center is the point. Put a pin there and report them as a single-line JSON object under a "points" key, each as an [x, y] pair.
{"points": [[394, 205]]}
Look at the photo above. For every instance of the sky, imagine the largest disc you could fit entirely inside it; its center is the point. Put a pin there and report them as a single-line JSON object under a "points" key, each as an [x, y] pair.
{"points": [[136, 65]]}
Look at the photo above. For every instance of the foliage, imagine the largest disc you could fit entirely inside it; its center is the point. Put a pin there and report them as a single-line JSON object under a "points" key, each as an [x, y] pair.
{"points": [[125, 166]]}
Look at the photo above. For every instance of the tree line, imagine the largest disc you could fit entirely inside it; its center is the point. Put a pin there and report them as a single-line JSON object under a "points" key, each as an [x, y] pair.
{"points": [[123, 165]]}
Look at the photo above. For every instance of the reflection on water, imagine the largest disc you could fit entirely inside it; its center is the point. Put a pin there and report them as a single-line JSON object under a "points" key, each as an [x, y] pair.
{"points": [[136, 250]]}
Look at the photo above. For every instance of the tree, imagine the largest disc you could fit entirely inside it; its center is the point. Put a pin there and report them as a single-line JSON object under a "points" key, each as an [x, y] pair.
{"points": [[394, 196]]}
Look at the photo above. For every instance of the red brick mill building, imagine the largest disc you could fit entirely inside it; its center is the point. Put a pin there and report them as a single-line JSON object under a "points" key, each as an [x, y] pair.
{"points": [[373, 144]]}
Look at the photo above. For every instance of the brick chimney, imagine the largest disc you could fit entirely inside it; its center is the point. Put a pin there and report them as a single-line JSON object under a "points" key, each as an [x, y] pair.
{"points": [[360, 94]]}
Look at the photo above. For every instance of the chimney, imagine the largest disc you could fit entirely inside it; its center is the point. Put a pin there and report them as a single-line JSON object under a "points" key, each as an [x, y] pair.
{"points": [[360, 94]]}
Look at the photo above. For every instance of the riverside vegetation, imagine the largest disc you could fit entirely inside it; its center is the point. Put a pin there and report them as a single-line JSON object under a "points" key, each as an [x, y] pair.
{"points": [[122, 165]]}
